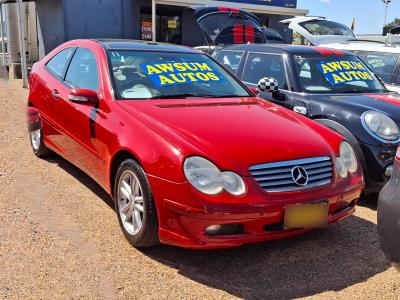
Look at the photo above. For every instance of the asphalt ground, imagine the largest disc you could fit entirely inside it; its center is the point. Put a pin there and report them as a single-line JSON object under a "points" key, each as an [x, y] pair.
{"points": [[60, 238]]}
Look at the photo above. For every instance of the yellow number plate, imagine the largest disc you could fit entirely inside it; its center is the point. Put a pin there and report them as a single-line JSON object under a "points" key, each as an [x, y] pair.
{"points": [[307, 215]]}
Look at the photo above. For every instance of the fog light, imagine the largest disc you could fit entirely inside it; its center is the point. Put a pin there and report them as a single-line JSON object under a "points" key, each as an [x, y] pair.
{"points": [[389, 171], [213, 229]]}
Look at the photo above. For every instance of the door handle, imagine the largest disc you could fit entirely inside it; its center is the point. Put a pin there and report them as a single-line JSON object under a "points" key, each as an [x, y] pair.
{"points": [[56, 94]]}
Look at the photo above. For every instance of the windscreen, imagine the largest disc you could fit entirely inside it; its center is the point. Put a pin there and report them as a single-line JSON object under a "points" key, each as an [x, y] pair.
{"points": [[338, 74], [324, 27], [382, 64], [157, 75]]}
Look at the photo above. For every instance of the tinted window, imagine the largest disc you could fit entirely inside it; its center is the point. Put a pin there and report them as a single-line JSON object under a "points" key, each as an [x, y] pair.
{"points": [[265, 65], [231, 60], [382, 64], [82, 72], [58, 63], [157, 75]]}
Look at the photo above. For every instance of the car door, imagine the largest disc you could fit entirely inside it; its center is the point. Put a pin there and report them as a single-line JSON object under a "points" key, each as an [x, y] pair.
{"points": [[260, 65], [51, 82], [77, 119]]}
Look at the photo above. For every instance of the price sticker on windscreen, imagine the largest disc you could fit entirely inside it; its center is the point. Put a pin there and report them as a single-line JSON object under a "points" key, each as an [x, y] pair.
{"points": [[174, 73], [342, 72]]}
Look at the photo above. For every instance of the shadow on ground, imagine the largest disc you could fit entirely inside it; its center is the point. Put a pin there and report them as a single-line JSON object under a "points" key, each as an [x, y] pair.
{"points": [[325, 260], [82, 178]]}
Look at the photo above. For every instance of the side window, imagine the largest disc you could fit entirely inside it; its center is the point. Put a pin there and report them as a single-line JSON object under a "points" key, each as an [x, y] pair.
{"points": [[58, 63], [260, 65], [82, 72], [230, 60]]}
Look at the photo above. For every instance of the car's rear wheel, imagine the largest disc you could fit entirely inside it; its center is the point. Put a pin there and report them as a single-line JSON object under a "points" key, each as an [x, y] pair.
{"points": [[135, 205], [38, 147]]}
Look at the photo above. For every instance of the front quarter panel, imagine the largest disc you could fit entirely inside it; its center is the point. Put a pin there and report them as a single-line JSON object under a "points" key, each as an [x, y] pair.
{"points": [[121, 131]]}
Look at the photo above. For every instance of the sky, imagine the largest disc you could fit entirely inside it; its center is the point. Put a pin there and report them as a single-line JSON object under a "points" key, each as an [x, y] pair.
{"points": [[369, 14]]}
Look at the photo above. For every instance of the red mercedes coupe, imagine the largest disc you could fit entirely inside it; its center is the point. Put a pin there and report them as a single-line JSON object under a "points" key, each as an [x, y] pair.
{"points": [[190, 156]]}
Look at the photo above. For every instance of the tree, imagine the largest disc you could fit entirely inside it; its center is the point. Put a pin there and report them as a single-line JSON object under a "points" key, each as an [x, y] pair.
{"points": [[391, 25]]}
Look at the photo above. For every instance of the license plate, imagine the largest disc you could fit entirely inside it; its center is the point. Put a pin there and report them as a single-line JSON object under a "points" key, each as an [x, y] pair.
{"points": [[306, 215]]}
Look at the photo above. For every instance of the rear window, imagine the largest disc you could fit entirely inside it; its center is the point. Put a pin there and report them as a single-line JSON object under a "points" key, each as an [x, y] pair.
{"points": [[324, 27]]}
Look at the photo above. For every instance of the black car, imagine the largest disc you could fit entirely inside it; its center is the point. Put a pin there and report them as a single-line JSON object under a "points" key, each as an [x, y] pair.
{"points": [[333, 87]]}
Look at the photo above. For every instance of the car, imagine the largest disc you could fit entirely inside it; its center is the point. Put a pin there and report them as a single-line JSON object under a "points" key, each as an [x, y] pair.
{"points": [[381, 57], [383, 60], [389, 216], [315, 30], [190, 156], [313, 81]]}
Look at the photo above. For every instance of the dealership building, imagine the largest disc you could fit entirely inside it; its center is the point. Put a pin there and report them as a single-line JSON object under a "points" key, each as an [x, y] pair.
{"points": [[48, 23]]}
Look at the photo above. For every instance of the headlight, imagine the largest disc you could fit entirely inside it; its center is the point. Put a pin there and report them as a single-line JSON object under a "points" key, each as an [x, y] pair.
{"points": [[347, 160], [380, 126], [208, 179], [233, 183]]}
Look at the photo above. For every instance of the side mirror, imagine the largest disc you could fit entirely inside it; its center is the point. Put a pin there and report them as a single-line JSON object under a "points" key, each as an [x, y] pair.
{"points": [[268, 85], [83, 96]]}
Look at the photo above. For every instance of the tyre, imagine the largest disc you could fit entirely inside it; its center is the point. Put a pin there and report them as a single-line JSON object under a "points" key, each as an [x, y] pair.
{"points": [[38, 147], [135, 206]]}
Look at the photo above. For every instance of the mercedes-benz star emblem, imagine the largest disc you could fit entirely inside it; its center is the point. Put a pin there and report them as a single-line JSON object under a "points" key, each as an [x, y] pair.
{"points": [[300, 176]]}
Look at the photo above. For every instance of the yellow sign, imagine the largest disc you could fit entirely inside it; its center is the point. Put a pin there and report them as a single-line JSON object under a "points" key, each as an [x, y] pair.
{"points": [[341, 72], [172, 24]]}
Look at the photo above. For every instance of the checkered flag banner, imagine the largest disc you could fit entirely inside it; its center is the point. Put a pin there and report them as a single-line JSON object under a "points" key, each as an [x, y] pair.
{"points": [[268, 85]]}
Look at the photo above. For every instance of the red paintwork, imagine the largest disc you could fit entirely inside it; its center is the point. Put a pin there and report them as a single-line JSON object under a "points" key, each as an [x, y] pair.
{"points": [[392, 99], [327, 51], [160, 134], [398, 154]]}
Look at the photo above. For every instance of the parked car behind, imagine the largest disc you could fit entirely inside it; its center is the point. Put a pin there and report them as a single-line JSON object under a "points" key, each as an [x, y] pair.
{"points": [[332, 87], [190, 156], [389, 216]]}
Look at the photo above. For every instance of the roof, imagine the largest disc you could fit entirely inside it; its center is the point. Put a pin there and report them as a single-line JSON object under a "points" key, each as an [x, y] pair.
{"points": [[288, 49], [116, 44]]}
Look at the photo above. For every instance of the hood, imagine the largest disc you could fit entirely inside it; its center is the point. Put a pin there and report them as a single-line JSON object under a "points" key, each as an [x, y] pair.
{"points": [[225, 25], [386, 103], [235, 133], [320, 30]]}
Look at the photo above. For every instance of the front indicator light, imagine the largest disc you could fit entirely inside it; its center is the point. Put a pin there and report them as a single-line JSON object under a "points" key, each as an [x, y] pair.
{"points": [[347, 160], [208, 179]]}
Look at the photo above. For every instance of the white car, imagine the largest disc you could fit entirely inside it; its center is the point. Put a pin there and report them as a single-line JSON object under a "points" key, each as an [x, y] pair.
{"points": [[318, 31]]}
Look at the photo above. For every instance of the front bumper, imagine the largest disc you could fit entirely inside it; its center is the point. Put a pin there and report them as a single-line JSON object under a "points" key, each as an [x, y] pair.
{"points": [[389, 217], [375, 161], [184, 214]]}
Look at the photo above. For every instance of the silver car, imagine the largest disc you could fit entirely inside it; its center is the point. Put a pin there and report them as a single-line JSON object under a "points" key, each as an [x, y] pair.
{"points": [[389, 216]]}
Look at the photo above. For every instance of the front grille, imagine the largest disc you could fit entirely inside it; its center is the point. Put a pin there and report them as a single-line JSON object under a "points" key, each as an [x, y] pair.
{"points": [[277, 176]]}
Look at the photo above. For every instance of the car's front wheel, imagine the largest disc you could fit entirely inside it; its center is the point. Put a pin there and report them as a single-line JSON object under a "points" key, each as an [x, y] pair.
{"points": [[135, 205]]}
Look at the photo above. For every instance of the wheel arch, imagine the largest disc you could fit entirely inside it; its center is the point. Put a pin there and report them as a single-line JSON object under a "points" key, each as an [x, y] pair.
{"points": [[341, 129], [117, 159]]}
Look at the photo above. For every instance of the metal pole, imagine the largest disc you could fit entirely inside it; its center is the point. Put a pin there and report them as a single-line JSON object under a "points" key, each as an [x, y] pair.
{"points": [[3, 48], [153, 19], [386, 9], [22, 50]]}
